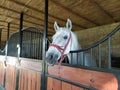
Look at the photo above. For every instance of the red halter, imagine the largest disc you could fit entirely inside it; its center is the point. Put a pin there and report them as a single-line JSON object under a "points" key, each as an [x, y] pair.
{"points": [[62, 50]]}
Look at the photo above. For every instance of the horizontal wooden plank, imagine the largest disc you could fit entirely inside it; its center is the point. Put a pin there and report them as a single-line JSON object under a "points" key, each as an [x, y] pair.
{"points": [[34, 65], [96, 79], [54, 84]]}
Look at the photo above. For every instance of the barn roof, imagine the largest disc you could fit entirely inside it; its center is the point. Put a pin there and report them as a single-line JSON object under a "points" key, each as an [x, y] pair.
{"points": [[83, 13]]}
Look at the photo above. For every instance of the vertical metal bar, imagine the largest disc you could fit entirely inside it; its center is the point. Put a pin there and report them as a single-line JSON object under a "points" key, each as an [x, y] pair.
{"points": [[6, 53], [8, 32], [31, 49], [44, 67], [20, 42], [77, 58], [109, 53], [91, 56], [39, 47], [99, 55], [83, 58], [41, 43], [20, 31], [34, 45], [66, 60], [0, 36], [71, 58], [28, 44], [34, 40], [17, 78]]}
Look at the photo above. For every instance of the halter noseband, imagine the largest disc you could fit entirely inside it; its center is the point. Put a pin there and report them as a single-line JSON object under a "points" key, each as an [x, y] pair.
{"points": [[61, 50]]}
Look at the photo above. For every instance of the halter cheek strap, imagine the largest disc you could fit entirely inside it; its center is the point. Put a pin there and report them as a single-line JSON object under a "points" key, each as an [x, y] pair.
{"points": [[61, 50]]}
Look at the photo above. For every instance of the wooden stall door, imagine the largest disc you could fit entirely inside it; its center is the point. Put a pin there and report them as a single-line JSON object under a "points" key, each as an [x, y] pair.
{"points": [[29, 80], [94, 79], [1, 73], [10, 82]]}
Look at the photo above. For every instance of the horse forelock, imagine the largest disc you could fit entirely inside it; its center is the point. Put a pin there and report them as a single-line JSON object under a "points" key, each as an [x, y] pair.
{"points": [[62, 31]]}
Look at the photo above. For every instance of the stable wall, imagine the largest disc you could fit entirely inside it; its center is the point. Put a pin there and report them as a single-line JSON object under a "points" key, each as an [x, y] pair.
{"points": [[89, 36]]}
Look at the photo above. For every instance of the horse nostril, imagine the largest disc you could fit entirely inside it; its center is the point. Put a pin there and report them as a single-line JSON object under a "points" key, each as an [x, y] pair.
{"points": [[51, 57]]}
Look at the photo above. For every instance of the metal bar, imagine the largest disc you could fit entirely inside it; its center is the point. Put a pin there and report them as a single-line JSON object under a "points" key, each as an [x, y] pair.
{"points": [[91, 56], [28, 43], [20, 42], [35, 46], [0, 36], [6, 53], [73, 83], [71, 58], [31, 46], [77, 58], [109, 53], [44, 66], [17, 78], [4, 77], [83, 58], [99, 55], [65, 59], [21, 33], [8, 32], [39, 48]]}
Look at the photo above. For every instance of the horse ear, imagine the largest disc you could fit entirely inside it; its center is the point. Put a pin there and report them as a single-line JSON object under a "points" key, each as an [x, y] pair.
{"points": [[69, 24], [56, 27]]}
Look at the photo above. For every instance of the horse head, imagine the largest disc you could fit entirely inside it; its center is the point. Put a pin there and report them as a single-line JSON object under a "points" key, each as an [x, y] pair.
{"points": [[61, 44]]}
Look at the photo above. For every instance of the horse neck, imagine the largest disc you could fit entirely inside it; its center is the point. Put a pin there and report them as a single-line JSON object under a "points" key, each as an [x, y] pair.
{"points": [[75, 44]]}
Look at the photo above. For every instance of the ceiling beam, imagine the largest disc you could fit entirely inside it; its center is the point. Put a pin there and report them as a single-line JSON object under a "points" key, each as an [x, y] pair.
{"points": [[6, 8], [73, 12], [35, 9], [103, 10], [13, 29], [27, 21], [10, 26], [8, 22], [51, 31]]}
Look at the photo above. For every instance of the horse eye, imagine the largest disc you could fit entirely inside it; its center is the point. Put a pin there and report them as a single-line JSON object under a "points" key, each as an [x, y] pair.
{"points": [[65, 37]]}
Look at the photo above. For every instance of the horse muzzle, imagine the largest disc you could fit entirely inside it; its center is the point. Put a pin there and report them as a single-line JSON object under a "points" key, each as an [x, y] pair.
{"points": [[51, 58]]}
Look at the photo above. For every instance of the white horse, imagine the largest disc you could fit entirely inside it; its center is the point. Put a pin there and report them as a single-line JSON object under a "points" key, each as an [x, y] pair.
{"points": [[63, 42]]}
